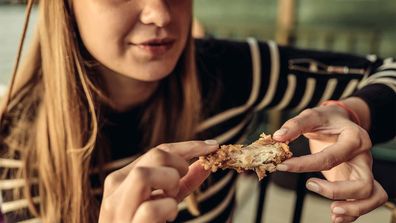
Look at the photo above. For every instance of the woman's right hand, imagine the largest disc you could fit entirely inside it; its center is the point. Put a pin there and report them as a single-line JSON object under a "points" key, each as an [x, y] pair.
{"points": [[149, 189]]}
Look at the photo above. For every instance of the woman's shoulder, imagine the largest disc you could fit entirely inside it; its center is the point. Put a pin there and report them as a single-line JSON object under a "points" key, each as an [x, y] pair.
{"points": [[225, 72]]}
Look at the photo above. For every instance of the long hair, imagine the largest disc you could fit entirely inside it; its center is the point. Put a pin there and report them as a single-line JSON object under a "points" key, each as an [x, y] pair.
{"points": [[53, 115]]}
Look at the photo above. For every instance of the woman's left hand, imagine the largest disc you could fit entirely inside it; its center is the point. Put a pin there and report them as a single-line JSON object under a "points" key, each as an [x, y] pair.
{"points": [[341, 150]]}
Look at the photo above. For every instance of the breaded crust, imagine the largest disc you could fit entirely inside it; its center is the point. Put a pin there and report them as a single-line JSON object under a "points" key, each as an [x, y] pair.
{"points": [[261, 156]]}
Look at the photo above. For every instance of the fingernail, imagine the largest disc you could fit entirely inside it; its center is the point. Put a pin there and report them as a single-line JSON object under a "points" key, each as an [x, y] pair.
{"points": [[338, 210], [280, 132], [313, 187], [281, 167], [339, 220], [211, 142]]}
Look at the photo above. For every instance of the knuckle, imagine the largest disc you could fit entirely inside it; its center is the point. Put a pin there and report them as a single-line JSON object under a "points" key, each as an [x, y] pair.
{"points": [[366, 189], [111, 182], [384, 197], [366, 141], [311, 112], [365, 192], [353, 143], [140, 181], [163, 147], [330, 161], [353, 211], [184, 168], [333, 194], [293, 123], [140, 174], [159, 156], [176, 175], [175, 178]]}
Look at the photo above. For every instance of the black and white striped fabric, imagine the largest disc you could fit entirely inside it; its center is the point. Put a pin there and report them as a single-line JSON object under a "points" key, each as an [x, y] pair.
{"points": [[240, 80]]}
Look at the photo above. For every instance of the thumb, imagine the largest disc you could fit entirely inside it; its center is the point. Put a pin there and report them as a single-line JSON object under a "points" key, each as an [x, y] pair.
{"points": [[195, 176]]}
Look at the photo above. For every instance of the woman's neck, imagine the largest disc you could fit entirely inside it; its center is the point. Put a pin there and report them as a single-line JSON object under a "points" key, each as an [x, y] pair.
{"points": [[125, 92]]}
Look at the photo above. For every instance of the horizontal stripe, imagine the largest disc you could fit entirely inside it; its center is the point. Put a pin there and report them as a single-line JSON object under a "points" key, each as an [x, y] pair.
{"points": [[34, 220], [376, 76], [10, 184], [232, 132], [256, 80], [216, 211], [388, 66], [17, 204], [386, 73], [11, 163], [391, 83]]}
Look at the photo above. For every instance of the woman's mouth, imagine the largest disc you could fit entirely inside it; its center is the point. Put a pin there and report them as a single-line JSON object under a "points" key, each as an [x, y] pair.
{"points": [[156, 47]]}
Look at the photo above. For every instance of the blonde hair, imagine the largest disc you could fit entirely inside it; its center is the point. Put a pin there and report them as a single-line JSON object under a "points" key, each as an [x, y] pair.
{"points": [[54, 117]]}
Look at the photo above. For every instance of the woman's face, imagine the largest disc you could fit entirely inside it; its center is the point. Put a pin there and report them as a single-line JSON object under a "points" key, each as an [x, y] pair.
{"points": [[142, 39]]}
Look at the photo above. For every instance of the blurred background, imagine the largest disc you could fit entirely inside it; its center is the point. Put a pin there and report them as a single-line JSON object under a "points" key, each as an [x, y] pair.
{"points": [[357, 26], [362, 27]]}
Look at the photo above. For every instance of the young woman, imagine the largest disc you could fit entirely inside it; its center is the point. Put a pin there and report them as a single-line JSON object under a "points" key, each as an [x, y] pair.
{"points": [[109, 85]]}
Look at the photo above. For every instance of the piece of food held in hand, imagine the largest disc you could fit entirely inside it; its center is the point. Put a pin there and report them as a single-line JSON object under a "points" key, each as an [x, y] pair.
{"points": [[261, 156]]}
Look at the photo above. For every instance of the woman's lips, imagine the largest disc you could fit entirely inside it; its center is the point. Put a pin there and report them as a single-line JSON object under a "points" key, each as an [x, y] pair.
{"points": [[155, 47]]}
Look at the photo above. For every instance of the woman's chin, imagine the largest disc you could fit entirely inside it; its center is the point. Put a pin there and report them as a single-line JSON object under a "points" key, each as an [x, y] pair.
{"points": [[155, 72], [150, 76]]}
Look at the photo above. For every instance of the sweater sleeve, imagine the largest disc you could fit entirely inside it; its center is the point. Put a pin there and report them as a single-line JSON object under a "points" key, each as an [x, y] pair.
{"points": [[259, 76], [338, 75]]}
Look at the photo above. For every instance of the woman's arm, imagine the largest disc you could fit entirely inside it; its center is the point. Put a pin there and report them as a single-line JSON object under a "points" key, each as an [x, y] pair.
{"points": [[337, 132], [341, 150], [261, 76]]}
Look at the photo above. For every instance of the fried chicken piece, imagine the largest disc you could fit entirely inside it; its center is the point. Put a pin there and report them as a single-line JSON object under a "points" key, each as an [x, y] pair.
{"points": [[261, 156]]}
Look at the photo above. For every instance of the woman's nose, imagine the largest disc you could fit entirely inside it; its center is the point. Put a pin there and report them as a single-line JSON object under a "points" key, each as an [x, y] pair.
{"points": [[155, 12]]}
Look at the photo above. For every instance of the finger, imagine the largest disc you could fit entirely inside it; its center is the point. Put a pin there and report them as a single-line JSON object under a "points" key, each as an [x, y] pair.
{"points": [[163, 156], [154, 211], [137, 187], [190, 149], [158, 157], [357, 208], [341, 190], [306, 121], [343, 219], [194, 178], [347, 146]]}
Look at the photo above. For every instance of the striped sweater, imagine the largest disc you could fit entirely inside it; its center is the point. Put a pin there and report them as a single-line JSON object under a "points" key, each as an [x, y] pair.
{"points": [[240, 81]]}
